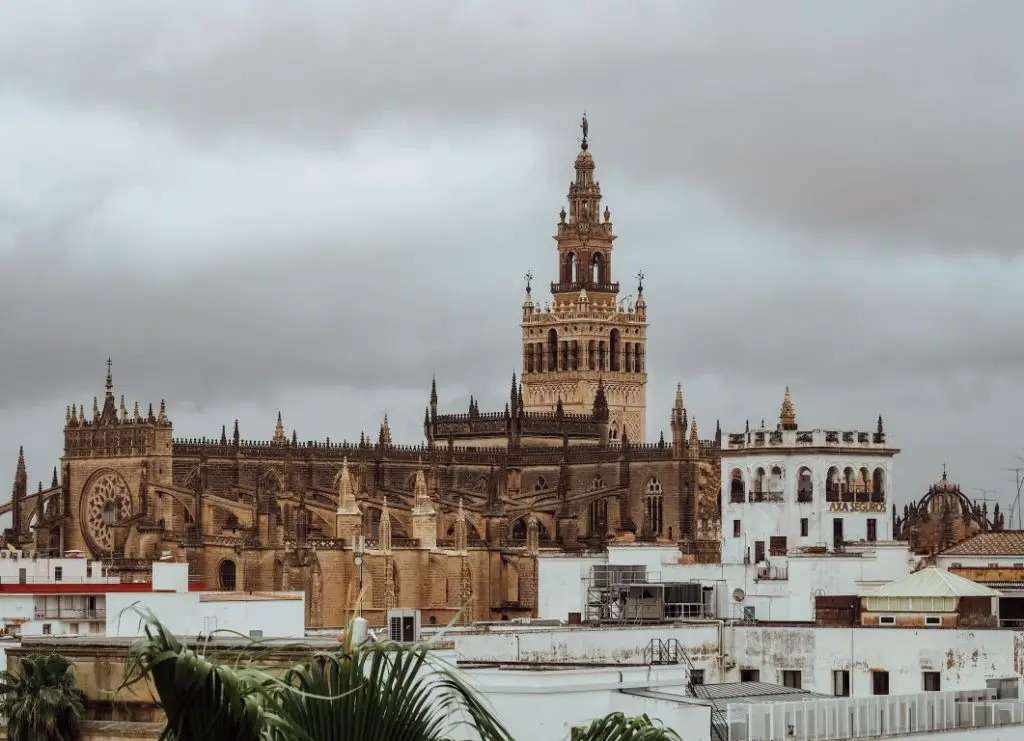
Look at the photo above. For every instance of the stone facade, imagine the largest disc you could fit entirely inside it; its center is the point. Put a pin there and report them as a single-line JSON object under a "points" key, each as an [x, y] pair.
{"points": [[943, 517], [587, 335], [451, 526]]}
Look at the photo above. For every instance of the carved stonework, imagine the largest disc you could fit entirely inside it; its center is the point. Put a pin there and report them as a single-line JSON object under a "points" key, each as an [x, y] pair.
{"points": [[107, 501]]}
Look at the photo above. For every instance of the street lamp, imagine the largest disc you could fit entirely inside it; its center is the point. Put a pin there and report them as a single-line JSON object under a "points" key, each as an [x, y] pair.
{"points": [[359, 551]]}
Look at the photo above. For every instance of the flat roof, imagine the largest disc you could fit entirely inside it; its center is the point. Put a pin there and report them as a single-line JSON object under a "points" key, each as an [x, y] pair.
{"points": [[755, 692], [218, 642], [247, 596]]}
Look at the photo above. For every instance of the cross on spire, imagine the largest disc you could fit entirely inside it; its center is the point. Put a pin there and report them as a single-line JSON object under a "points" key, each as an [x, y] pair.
{"points": [[528, 277], [640, 283]]}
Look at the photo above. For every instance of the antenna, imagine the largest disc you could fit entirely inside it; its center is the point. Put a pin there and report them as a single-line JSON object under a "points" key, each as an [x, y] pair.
{"points": [[1018, 474]]}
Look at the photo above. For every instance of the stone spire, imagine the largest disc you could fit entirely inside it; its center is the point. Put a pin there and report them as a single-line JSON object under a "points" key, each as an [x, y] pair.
{"points": [[532, 534], [384, 531], [677, 422], [279, 436], [54, 482], [109, 414], [385, 433], [787, 414], [161, 418], [461, 529], [422, 501], [235, 438], [694, 444], [20, 475], [424, 517], [18, 492], [348, 518], [346, 494]]}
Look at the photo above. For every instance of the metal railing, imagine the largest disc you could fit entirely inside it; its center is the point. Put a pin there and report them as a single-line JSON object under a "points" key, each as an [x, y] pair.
{"points": [[63, 580], [70, 613], [871, 717]]}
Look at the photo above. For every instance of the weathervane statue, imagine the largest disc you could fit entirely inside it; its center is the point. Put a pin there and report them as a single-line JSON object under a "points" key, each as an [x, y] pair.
{"points": [[586, 130]]}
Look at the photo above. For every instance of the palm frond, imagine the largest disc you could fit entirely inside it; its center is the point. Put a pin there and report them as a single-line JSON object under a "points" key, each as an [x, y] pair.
{"points": [[204, 700], [40, 699], [620, 727]]}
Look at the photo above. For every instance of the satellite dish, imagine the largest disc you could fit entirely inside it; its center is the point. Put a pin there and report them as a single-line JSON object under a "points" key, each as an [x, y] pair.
{"points": [[738, 594]]}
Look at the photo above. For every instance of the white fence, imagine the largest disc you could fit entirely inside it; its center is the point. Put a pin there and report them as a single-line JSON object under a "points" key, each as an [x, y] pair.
{"points": [[864, 717]]}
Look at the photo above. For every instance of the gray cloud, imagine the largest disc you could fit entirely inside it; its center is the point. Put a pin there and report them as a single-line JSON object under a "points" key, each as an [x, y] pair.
{"points": [[261, 206]]}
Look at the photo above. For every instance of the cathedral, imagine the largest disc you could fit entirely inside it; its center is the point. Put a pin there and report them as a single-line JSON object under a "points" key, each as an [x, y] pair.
{"points": [[452, 525]]}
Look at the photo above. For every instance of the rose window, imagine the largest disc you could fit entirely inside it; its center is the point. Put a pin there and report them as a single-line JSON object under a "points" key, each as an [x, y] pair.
{"points": [[107, 503]]}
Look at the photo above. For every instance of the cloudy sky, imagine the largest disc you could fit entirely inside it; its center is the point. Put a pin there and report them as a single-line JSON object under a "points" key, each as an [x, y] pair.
{"points": [[315, 206]]}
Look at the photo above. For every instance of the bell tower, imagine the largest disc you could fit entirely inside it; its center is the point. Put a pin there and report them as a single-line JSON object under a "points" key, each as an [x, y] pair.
{"points": [[586, 334]]}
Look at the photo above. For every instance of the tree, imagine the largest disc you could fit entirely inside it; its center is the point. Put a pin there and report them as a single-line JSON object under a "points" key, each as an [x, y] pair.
{"points": [[619, 727], [368, 691], [41, 701]]}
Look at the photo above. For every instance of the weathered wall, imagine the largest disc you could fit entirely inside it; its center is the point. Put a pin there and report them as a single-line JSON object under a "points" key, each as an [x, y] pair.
{"points": [[610, 645], [545, 704], [964, 658]]}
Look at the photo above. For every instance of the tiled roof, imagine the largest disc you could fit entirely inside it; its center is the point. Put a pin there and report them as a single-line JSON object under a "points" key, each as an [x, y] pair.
{"points": [[1005, 543]]}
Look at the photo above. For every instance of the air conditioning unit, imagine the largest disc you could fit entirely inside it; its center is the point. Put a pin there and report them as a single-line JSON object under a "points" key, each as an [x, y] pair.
{"points": [[3, 554], [404, 626]]}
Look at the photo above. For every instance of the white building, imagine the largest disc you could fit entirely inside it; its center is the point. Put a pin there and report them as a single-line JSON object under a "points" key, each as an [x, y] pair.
{"points": [[77, 597], [785, 589], [786, 489], [712, 680]]}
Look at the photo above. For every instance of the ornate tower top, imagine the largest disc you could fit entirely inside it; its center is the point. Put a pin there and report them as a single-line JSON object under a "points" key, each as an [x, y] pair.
{"points": [[787, 414], [586, 335], [279, 436]]}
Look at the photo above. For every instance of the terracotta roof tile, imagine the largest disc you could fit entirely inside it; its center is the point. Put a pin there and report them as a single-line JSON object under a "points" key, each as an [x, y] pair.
{"points": [[1005, 543]]}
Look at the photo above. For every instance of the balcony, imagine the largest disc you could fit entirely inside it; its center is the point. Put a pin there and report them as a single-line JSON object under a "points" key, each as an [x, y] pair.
{"points": [[805, 496], [579, 285], [766, 496], [70, 613]]}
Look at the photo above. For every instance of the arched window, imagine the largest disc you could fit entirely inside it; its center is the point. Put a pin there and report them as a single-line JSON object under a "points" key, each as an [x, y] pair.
{"points": [[226, 573], [231, 523], [540, 484], [563, 360], [775, 483], [848, 483], [591, 355], [614, 349], [374, 524], [613, 432], [597, 269], [574, 267], [597, 483], [552, 349], [602, 356], [638, 358], [574, 355], [832, 485], [628, 358], [737, 490], [757, 486], [519, 529], [655, 507], [878, 485], [804, 485]]}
